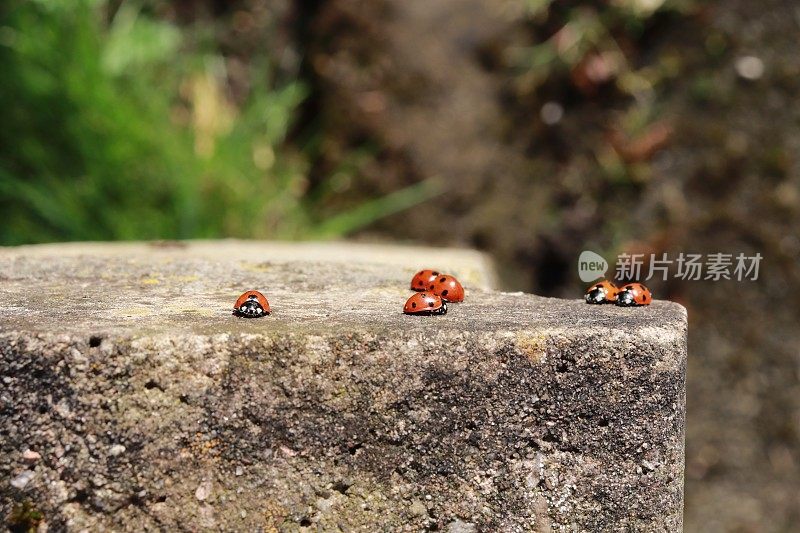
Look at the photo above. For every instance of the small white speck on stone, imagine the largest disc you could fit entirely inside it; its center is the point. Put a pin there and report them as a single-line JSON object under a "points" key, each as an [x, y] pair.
{"points": [[288, 451], [203, 491], [243, 513], [750, 67], [239, 471], [116, 450], [22, 480], [324, 505], [418, 508], [30, 456], [459, 526], [62, 409]]}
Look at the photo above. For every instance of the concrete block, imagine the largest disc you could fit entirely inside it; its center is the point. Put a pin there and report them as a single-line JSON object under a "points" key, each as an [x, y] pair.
{"points": [[131, 399]]}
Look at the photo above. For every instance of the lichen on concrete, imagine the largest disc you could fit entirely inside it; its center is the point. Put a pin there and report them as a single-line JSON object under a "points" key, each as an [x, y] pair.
{"points": [[338, 413]]}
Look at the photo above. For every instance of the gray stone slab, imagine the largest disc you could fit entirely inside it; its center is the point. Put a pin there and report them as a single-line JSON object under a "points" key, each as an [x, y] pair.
{"points": [[131, 399]]}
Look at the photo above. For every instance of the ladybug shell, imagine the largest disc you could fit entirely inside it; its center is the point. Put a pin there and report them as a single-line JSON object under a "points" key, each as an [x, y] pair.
{"points": [[248, 305], [422, 280], [602, 292], [448, 288], [425, 303], [634, 294]]}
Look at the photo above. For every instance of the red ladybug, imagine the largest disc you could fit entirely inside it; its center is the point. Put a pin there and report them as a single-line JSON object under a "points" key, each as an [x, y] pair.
{"points": [[425, 303], [602, 292], [448, 288], [251, 304], [423, 279], [634, 294]]}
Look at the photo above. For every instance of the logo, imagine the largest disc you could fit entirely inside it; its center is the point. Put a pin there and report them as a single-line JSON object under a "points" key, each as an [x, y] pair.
{"points": [[591, 266], [686, 266]]}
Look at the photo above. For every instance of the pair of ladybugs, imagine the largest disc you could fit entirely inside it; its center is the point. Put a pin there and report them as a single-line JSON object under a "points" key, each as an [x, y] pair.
{"points": [[434, 291], [629, 295]]}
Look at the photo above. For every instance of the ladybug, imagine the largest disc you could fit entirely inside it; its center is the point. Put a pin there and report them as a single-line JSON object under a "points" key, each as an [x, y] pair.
{"points": [[634, 294], [251, 304], [423, 279], [602, 292], [448, 288], [425, 303]]}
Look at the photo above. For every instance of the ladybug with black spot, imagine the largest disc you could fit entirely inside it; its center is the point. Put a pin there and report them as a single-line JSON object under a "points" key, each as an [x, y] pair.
{"points": [[602, 292], [251, 304], [425, 303], [448, 288], [634, 294], [423, 279]]}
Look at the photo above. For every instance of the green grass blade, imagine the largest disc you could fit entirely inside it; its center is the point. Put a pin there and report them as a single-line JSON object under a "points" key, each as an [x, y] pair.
{"points": [[373, 210]]}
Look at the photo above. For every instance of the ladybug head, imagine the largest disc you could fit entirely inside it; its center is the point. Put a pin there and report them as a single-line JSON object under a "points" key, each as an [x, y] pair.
{"points": [[250, 308], [596, 296], [626, 298]]}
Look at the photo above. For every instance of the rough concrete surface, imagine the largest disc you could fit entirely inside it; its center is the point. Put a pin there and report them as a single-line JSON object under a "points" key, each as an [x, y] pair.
{"points": [[131, 399]]}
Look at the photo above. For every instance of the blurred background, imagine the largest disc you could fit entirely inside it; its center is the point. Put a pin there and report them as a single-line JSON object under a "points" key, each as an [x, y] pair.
{"points": [[530, 129]]}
